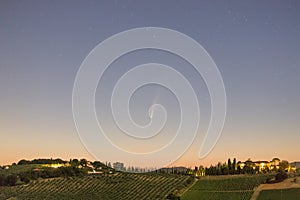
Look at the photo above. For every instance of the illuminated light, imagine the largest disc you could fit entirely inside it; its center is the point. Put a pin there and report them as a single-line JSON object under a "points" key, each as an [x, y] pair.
{"points": [[55, 165]]}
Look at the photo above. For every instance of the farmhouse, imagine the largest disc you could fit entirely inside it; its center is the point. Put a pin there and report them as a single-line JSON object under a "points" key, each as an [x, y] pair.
{"points": [[274, 164], [262, 165]]}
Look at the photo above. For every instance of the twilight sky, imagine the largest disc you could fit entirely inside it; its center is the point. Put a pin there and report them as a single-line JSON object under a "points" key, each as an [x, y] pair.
{"points": [[255, 45]]}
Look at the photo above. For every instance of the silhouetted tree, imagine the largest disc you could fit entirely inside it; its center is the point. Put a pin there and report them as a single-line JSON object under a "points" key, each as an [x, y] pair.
{"points": [[25, 177], [283, 165], [2, 180], [96, 164], [74, 162], [229, 164], [234, 165], [280, 176], [239, 170], [11, 180], [83, 162], [23, 162], [249, 165], [173, 197]]}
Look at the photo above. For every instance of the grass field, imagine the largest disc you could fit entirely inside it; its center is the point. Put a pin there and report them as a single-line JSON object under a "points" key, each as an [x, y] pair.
{"points": [[209, 195], [15, 169], [230, 187], [117, 186], [293, 193], [142, 186]]}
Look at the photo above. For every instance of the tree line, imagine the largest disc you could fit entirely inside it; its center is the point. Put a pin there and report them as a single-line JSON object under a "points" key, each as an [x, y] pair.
{"points": [[234, 167], [27, 176], [8, 180], [74, 168], [42, 161]]}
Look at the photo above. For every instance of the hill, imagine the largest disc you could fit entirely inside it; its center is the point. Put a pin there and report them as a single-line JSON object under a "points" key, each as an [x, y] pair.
{"points": [[115, 186]]}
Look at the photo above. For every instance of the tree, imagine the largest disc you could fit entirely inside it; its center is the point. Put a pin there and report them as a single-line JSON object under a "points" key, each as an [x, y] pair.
{"points": [[229, 164], [283, 165], [201, 170], [25, 177], [274, 164], [83, 162], [257, 169], [74, 162], [280, 176], [275, 160], [249, 166], [173, 197], [96, 165], [11, 180], [239, 170], [267, 169], [2, 180], [23, 162], [234, 164]]}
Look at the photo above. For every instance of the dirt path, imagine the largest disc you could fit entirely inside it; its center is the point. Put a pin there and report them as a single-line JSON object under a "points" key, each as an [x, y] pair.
{"points": [[286, 184]]}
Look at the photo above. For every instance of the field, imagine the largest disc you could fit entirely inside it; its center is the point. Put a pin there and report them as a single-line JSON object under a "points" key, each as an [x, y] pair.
{"points": [[293, 193], [230, 187], [116, 186], [287, 189], [148, 186], [15, 169]]}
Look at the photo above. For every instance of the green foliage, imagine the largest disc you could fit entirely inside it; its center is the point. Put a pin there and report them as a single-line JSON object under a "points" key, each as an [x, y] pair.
{"points": [[74, 162], [228, 187], [173, 196], [97, 164], [283, 165], [208, 195], [25, 173], [8, 180], [25, 177], [83, 162], [11, 180], [231, 183], [17, 169], [23, 162], [117, 186], [280, 176], [2, 179], [279, 194], [41, 161]]}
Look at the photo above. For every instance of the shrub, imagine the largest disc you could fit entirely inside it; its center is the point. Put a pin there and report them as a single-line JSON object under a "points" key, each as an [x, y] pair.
{"points": [[280, 176], [173, 197], [25, 177], [2, 180], [11, 180]]}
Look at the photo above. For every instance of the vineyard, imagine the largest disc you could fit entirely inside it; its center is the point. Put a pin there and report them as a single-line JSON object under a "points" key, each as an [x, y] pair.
{"points": [[233, 188], [292, 193], [116, 186]]}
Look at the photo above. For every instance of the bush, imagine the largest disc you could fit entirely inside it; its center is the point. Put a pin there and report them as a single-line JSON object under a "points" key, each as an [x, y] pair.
{"points": [[280, 176], [11, 180], [2, 180], [173, 197], [25, 177]]}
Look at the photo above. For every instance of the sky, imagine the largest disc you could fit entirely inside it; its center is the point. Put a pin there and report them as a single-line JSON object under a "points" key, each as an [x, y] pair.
{"points": [[255, 46]]}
